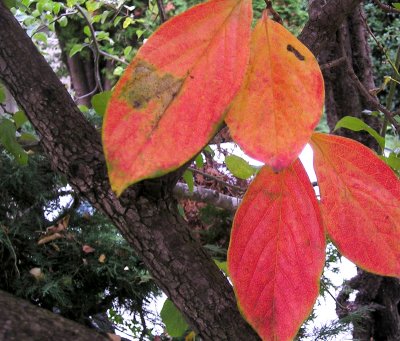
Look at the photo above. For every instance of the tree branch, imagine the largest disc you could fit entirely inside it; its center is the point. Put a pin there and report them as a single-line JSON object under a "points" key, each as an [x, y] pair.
{"points": [[146, 214], [22, 320], [325, 17], [209, 196]]}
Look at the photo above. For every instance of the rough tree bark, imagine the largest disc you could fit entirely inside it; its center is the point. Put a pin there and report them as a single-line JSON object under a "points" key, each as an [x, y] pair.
{"points": [[145, 214], [17, 323], [380, 294]]}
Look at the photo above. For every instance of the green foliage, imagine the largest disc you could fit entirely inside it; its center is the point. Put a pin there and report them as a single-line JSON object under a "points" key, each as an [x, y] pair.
{"points": [[240, 167], [173, 319], [88, 269], [355, 124], [100, 101], [9, 141]]}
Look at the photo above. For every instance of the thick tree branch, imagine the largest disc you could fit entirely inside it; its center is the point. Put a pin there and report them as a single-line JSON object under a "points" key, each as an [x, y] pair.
{"points": [[146, 214], [21, 320], [325, 17]]}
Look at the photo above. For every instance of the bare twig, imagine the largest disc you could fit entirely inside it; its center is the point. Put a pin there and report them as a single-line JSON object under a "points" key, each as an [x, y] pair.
{"points": [[66, 14], [161, 10], [381, 47], [372, 100], [386, 8], [105, 54], [333, 63], [96, 51]]}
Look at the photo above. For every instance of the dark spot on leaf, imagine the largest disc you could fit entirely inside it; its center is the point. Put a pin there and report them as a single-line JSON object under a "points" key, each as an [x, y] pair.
{"points": [[147, 83], [298, 55]]}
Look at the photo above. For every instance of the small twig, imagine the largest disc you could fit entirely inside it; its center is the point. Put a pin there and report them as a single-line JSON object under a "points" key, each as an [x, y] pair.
{"points": [[380, 46], [372, 100], [334, 298], [161, 11], [390, 96], [386, 8], [212, 177], [89, 93], [333, 63], [54, 20], [105, 54], [96, 48]]}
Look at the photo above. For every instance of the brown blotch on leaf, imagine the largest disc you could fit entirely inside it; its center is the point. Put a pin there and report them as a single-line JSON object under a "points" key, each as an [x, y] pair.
{"points": [[147, 84], [298, 55]]}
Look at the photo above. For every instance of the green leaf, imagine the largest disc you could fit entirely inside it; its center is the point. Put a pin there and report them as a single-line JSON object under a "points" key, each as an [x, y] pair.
{"points": [[41, 36], [199, 161], [104, 16], [181, 211], [127, 22], [222, 266], [28, 137], [393, 161], [118, 71], [188, 177], [56, 8], [2, 93], [239, 167], [75, 49], [117, 20], [355, 124], [127, 50], [8, 140], [63, 21], [86, 30], [139, 33], [83, 108], [396, 5], [100, 101], [173, 319], [19, 118], [93, 5], [10, 3]]}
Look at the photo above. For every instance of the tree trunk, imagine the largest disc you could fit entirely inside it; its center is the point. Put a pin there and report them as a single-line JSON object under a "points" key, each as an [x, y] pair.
{"points": [[380, 295], [145, 214], [21, 320]]}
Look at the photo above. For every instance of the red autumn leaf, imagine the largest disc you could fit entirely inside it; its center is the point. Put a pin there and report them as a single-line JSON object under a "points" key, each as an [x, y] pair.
{"points": [[281, 99], [277, 252], [172, 97], [360, 203]]}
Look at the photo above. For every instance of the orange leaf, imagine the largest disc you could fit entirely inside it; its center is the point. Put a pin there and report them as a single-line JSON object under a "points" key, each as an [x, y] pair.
{"points": [[360, 203], [277, 252], [172, 97], [281, 98]]}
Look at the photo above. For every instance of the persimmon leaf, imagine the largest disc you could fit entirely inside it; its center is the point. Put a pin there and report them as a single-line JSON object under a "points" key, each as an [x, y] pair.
{"points": [[173, 95], [277, 252], [281, 99], [360, 203]]}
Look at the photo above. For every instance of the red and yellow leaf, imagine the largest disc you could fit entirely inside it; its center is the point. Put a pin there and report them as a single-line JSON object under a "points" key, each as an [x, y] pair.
{"points": [[281, 99], [360, 203], [277, 252], [173, 95]]}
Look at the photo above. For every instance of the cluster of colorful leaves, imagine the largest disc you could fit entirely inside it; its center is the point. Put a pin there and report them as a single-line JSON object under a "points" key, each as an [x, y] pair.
{"points": [[205, 66]]}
